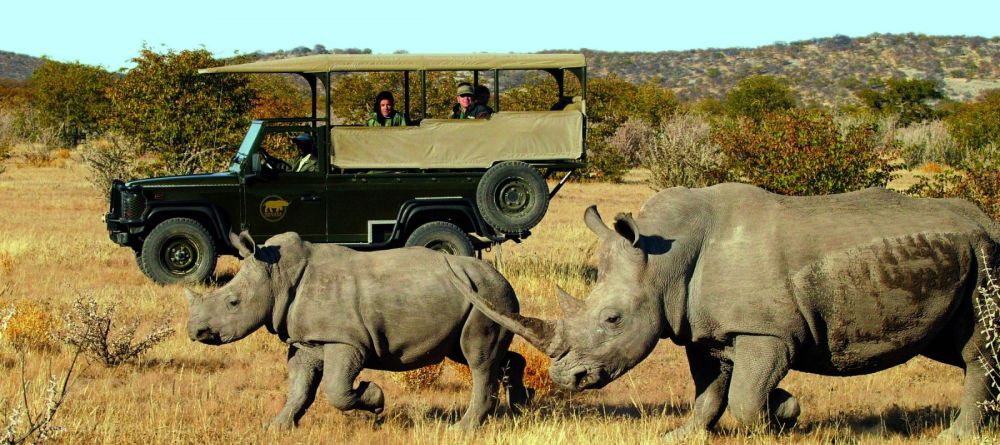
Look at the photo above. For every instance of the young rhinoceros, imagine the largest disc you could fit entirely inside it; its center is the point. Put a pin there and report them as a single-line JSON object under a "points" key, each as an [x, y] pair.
{"points": [[341, 311]]}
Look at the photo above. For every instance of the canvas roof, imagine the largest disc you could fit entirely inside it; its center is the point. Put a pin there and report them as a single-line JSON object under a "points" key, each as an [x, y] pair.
{"points": [[322, 63]]}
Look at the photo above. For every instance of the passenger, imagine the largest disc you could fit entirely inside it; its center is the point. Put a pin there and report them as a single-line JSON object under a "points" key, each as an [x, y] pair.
{"points": [[384, 115], [306, 160], [467, 108], [483, 98]]}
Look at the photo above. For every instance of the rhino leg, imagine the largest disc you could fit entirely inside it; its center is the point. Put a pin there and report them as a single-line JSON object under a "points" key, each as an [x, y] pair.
{"points": [[342, 363], [759, 363], [513, 382], [962, 346], [484, 345], [305, 370], [711, 383]]}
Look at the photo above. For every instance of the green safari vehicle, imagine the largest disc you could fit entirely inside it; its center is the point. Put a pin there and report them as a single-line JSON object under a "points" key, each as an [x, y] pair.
{"points": [[455, 185]]}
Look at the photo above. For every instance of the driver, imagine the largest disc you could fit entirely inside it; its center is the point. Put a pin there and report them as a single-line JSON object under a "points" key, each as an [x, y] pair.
{"points": [[306, 160]]}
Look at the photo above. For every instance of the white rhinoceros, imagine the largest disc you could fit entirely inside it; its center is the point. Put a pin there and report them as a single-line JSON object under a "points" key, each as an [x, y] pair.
{"points": [[754, 284], [341, 311]]}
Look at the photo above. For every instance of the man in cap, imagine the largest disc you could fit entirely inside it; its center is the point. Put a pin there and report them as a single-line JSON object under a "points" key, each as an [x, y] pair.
{"points": [[467, 108], [306, 160]]}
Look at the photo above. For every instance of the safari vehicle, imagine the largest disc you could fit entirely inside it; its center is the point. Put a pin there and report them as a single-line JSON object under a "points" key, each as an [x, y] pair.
{"points": [[448, 184]]}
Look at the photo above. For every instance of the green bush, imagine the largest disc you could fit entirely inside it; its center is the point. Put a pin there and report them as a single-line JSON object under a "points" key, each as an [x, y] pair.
{"points": [[977, 124], [192, 122], [907, 98], [804, 153]]}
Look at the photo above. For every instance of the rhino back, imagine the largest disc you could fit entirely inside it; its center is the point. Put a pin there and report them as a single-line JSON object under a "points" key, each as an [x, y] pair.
{"points": [[853, 282], [399, 305]]}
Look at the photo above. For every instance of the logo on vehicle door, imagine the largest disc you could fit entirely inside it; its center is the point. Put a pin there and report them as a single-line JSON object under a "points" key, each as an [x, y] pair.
{"points": [[273, 208]]}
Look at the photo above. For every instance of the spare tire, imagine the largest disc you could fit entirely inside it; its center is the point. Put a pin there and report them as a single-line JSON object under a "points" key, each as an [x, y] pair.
{"points": [[512, 197]]}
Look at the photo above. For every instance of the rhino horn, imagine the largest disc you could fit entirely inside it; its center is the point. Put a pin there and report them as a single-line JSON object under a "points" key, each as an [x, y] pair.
{"points": [[570, 305], [626, 227], [595, 223], [242, 243], [191, 295], [539, 333]]}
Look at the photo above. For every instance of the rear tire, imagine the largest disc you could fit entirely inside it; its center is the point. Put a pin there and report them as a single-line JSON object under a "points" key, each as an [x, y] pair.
{"points": [[512, 197], [442, 236], [178, 250]]}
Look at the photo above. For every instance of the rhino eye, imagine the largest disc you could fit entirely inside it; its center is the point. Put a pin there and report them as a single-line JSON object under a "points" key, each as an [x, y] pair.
{"points": [[233, 302], [613, 319]]}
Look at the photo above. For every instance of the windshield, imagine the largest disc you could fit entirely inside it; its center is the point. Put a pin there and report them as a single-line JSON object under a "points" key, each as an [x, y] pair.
{"points": [[246, 146]]}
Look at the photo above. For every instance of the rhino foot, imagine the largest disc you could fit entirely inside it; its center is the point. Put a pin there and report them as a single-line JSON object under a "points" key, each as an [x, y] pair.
{"points": [[281, 423], [371, 397], [783, 410]]}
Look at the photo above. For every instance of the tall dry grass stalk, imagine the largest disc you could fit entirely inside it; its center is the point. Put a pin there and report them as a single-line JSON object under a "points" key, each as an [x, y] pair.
{"points": [[929, 142], [988, 309], [113, 156]]}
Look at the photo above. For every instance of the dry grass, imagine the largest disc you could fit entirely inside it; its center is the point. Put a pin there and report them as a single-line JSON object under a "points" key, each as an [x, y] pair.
{"points": [[56, 246]]}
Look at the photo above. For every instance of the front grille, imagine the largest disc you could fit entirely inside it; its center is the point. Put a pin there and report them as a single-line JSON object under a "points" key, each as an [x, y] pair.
{"points": [[133, 204]]}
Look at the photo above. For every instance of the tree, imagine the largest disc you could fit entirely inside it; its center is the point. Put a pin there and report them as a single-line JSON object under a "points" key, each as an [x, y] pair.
{"points": [[756, 96], [192, 121], [907, 98], [71, 97]]}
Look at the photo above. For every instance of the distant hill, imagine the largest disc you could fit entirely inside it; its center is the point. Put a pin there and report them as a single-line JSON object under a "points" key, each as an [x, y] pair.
{"points": [[17, 66], [824, 71]]}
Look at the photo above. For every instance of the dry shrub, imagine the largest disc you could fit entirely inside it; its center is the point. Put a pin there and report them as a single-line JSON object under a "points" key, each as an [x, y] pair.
{"points": [[114, 156], [632, 139], [978, 183], [536, 370], [462, 372], [682, 153], [932, 167], [37, 155], [29, 326], [421, 378], [89, 326]]}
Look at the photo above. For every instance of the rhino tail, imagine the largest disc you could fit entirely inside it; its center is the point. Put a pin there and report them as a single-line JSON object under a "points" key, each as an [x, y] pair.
{"points": [[538, 332]]}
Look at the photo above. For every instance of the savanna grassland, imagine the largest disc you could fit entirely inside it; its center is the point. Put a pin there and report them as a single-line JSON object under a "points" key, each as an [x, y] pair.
{"points": [[54, 250]]}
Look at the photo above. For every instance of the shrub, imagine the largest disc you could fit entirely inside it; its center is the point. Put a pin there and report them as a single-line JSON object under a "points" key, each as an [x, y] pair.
{"points": [[24, 424], [977, 124], [28, 326], [420, 378], [907, 98], [804, 153], [682, 153], [71, 97], [90, 327], [632, 139], [536, 370], [979, 183], [987, 306]]}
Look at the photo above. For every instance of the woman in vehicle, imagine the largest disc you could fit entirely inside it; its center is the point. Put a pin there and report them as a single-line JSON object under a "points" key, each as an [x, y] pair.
{"points": [[384, 115]]}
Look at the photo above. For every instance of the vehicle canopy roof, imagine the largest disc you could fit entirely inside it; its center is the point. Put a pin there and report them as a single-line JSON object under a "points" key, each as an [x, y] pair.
{"points": [[322, 63]]}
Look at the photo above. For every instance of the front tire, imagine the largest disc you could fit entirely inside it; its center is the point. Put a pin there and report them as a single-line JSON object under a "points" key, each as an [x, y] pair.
{"points": [[178, 250], [443, 237]]}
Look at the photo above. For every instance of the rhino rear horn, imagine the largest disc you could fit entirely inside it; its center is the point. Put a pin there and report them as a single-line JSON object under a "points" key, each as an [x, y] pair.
{"points": [[595, 223], [242, 243], [191, 295], [570, 305]]}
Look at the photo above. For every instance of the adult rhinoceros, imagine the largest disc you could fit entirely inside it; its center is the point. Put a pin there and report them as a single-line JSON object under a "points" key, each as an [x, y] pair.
{"points": [[754, 284], [341, 311]]}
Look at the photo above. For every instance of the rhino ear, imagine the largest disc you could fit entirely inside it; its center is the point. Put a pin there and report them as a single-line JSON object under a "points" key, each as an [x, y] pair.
{"points": [[595, 223], [570, 306], [191, 295], [242, 243], [626, 227]]}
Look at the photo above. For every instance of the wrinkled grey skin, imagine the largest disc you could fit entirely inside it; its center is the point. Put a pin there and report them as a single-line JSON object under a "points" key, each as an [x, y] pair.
{"points": [[341, 311], [754, 284]]}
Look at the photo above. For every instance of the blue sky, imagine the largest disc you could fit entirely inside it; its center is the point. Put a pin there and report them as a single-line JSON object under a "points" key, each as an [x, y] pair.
{"points": [[109, 33]]}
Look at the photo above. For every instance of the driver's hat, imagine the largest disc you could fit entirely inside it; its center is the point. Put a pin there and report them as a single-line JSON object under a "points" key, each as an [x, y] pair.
{"points": [[303, 139]]}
